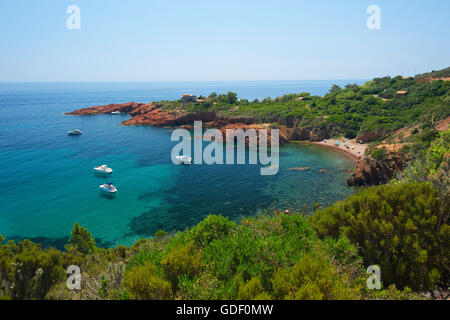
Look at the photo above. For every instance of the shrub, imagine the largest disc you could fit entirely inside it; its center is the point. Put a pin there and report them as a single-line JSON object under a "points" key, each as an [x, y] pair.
{"points": [[183, 260], [81, 240], [143, 283], [27, 271], [392, 293], [312, 278], [378, 153], [252, 290], [160, 234], [398, 227], [213, 227]]}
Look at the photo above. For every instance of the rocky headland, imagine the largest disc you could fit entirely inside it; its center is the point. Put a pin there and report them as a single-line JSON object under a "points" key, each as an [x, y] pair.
{"points": [[375, 172], [152, 114]]}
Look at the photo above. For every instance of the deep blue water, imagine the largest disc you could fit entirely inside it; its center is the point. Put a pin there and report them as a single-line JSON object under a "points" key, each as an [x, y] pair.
{"points": [[47, 183]]}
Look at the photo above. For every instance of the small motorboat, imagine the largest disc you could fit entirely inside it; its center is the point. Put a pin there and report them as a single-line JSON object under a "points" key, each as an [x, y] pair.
{"points": [[184, 159], [76, 132], [116, 112], [108, 188], [103, 169]]}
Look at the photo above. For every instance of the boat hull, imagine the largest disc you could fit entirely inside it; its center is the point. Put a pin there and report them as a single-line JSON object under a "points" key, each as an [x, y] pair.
{"points": [[183, 160], [101, 171], [108, 189]]}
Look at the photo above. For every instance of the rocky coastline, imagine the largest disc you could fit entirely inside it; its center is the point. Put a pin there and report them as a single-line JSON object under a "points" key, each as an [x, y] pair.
{"points": [[368, 171], [375, 172]]}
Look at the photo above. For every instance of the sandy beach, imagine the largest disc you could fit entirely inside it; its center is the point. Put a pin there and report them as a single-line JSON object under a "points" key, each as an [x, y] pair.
{"points": [[350, 147]]}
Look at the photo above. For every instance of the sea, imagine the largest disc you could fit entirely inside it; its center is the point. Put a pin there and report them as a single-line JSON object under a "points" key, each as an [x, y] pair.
{"points": [[47, 181]]}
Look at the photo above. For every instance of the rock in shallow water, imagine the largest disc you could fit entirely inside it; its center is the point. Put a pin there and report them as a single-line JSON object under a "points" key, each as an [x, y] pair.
{"points": [[299, 169]]}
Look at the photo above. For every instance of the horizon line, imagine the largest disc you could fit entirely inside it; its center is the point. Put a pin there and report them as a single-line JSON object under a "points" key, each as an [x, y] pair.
{"points": [[112, 81]]}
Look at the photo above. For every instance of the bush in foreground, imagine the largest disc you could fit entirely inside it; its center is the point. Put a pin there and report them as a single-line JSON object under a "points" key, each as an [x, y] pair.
{"points": [[398, 227], [218, 259]]}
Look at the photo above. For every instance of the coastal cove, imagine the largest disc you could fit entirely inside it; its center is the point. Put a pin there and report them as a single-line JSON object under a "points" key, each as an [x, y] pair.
{"points": [[48, 184]]}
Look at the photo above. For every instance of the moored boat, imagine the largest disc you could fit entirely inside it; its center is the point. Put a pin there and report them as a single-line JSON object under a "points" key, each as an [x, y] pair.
{"points": [[184, 159], [103, 169], [75, 132], [108, 188]]}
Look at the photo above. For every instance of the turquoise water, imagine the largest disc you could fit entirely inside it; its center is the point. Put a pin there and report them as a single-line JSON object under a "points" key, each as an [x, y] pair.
{"points": [[47, 183]]}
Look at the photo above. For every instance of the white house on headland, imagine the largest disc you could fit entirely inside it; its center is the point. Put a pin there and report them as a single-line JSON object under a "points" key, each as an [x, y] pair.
{"points": [[186, 98]]}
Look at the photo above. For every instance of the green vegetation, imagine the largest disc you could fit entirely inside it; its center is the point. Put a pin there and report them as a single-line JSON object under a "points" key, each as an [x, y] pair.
{"points": [[271, 256], [430, 161], [399, 227], [348, 111], [80, 240], [403, 227], [27, 272], [377, 153], [435, 74]]}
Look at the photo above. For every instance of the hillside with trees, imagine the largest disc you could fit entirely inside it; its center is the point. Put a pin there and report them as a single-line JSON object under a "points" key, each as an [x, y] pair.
{"points": [[382, 105]]}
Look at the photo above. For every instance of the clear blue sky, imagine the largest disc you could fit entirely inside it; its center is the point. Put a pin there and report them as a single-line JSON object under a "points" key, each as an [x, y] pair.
{"points": [[164, 40]]}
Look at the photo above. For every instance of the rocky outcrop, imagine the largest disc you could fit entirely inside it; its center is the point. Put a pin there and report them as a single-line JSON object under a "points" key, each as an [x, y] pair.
{"points": [[153, 114], [372, 172], [125, 108], [149, 114], [158, 117], [370, 136], [283, 134], [313, 134]]}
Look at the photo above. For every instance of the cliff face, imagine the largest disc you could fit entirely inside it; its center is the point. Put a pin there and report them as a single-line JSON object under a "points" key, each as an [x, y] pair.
{"points": [[372, 172], [313, 134], [154, 116]]}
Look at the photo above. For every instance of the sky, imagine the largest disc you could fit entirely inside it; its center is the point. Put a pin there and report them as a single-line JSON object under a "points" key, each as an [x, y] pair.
{"points": [[215, 40]]}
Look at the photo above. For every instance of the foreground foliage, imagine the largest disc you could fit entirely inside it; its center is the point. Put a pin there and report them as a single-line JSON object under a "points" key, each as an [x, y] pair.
{"points": [[219, 259], [432, 164], [271, 256], [400, 227]]}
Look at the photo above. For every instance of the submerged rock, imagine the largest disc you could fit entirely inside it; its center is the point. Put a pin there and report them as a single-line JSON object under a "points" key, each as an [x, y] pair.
{"points": [[299, 169]]}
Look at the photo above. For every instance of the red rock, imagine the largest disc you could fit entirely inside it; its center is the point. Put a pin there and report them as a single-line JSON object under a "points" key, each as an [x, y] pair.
{"points": [[370, 136], [371, 172], [125, 107]]}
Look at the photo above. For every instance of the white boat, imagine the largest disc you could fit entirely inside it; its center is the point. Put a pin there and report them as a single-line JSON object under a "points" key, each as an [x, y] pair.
{"points": [[75, 132], [108, 188], [103, 169], [116, 112], [184, 159]]}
